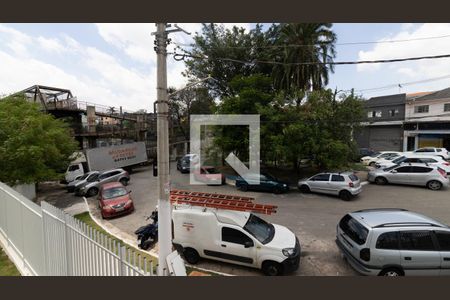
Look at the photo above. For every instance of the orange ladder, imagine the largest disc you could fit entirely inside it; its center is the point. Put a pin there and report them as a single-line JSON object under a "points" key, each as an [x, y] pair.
{"points": [[220, 201]]}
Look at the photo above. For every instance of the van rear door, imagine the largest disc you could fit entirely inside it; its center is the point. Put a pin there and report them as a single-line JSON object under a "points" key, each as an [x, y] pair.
{"points": [[352, 235]]}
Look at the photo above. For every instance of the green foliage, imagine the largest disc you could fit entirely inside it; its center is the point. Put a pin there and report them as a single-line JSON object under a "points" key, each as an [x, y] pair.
{"points": [[215, 42], [34, 146]]}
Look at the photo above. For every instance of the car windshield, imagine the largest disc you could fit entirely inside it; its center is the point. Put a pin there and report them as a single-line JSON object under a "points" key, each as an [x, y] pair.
{"points": [[114, 193], [399, 159], [270, 177], [260, 229], [390, 168], [84, 176], [375, 154], [211, 171]]}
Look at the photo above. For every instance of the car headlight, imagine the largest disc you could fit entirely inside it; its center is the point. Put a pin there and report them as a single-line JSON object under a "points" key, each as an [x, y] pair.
{"points": [[284, 185], [288, 252]]}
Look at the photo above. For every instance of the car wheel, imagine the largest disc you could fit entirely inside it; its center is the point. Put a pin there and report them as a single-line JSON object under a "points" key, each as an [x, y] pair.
{"points": [[191, 256], [92, 192], [372, 164], [380, 180], [304, 188], [124, 181], [345, 195], [434, 185], [244, 187], [391, 272], [271, 268]]}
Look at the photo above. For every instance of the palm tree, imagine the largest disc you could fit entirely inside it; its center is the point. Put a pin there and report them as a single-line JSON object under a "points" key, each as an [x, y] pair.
{"points": [[311, 42]]}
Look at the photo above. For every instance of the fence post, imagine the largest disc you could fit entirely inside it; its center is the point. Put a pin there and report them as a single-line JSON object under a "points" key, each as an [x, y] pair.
{"points": [[68, 246], [44, 238], [122, 257]]}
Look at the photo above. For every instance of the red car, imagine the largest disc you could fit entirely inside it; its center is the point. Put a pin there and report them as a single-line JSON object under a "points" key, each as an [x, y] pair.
{"points": [[209, 175], [114, 200]]}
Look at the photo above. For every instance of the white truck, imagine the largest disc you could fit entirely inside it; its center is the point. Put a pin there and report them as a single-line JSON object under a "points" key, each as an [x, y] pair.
{"points": [[236, 237], [106, 158]]}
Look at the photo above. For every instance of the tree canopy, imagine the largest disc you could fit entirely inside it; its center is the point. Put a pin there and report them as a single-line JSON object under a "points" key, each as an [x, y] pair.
{"points": [[34, 146]]}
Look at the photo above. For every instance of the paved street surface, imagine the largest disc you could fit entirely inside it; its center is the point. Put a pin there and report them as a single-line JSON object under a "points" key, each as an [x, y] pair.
{"points": [[311, 217]]}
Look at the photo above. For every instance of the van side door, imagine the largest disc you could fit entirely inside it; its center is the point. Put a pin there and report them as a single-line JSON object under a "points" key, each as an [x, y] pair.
{"points": [[418, 253], [236, 247], [443, 238]]}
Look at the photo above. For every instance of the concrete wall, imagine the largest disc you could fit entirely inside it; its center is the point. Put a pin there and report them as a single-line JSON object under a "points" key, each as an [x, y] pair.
{"points": [[435, 108]]}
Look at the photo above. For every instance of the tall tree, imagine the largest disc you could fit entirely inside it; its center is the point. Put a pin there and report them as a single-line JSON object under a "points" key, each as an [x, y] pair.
{"points": [[214, 43], [300, 43], [34, 146]]}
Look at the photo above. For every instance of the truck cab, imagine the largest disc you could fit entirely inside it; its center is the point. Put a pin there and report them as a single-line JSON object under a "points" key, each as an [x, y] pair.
{"points": [[236, 237]]}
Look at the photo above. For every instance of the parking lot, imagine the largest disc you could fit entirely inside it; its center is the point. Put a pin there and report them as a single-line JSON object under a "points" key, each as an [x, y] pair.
{"points": [[311, 217]]}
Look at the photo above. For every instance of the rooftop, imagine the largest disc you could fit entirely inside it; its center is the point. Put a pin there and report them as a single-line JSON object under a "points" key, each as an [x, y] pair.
{"points": [[374, 218]]}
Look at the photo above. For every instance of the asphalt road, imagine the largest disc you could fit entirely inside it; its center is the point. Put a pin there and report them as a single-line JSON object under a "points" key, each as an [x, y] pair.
{"points": [[311, 217]]}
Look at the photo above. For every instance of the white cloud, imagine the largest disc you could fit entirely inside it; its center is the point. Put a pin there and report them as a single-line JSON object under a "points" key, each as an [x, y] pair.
{"points": [[51, 45], [134, 39], [428, 47]]}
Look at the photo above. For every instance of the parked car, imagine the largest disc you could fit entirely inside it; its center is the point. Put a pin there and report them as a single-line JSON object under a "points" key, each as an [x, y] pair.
{"points": [[236, 237], [184, 163], [372, 159], [209, 175], [394, 242], [346, 185], [80, 180], [91, 188], [442, 152], [114, 200], [432, 177], [267, 183], [415, 158], [366, 152]]}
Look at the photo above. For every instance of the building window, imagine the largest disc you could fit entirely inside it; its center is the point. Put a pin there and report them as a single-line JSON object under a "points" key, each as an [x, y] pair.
{"points": [[421, 109], [393, 112], [374, 114], [447, 107]]}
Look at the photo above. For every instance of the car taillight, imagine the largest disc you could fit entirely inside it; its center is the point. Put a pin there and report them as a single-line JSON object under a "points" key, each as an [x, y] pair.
{"points": [[443, 173], [350, 184], [364, 254], [126, 173], [446, 163]]}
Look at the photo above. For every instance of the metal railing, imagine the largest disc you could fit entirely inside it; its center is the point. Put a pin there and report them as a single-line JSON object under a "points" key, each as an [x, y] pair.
{"points": [[43, 240]]}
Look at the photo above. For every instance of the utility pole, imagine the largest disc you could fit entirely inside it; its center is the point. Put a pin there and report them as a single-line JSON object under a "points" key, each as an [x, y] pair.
{"points": [[164, 208]]}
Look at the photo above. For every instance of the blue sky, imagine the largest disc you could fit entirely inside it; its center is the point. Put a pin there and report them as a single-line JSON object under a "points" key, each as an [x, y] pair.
{"points": [[115, 65]]}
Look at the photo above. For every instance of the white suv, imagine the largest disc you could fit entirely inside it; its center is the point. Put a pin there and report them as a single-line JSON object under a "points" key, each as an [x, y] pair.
{"points": [[442, 152], [415, 158], [371, 160]]}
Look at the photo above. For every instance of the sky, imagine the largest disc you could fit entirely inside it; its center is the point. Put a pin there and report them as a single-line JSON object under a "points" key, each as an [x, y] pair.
{"points": [[115, 64]]}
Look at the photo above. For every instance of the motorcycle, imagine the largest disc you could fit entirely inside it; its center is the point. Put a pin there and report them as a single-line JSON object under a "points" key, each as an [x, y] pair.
{"points": [[148, 234]]}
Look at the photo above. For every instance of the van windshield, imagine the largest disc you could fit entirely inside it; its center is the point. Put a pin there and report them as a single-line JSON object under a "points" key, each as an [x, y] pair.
{"points": [[260, 229]]}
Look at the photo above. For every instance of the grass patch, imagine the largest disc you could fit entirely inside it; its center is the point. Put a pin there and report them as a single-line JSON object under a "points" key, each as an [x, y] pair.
{"points": [[358, 167], [7, 268], [86, 218]]}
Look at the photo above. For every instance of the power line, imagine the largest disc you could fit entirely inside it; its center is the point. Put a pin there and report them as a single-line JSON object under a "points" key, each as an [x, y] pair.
{"points": [[326, 42], [179, 57], [390, 86]]}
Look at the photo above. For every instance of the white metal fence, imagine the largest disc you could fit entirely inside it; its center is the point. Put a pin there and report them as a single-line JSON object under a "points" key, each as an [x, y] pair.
{"points": [[43, 240]]}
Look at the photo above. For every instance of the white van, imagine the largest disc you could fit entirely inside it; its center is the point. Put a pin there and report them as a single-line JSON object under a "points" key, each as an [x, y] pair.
{"points": [[235, 237]]}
